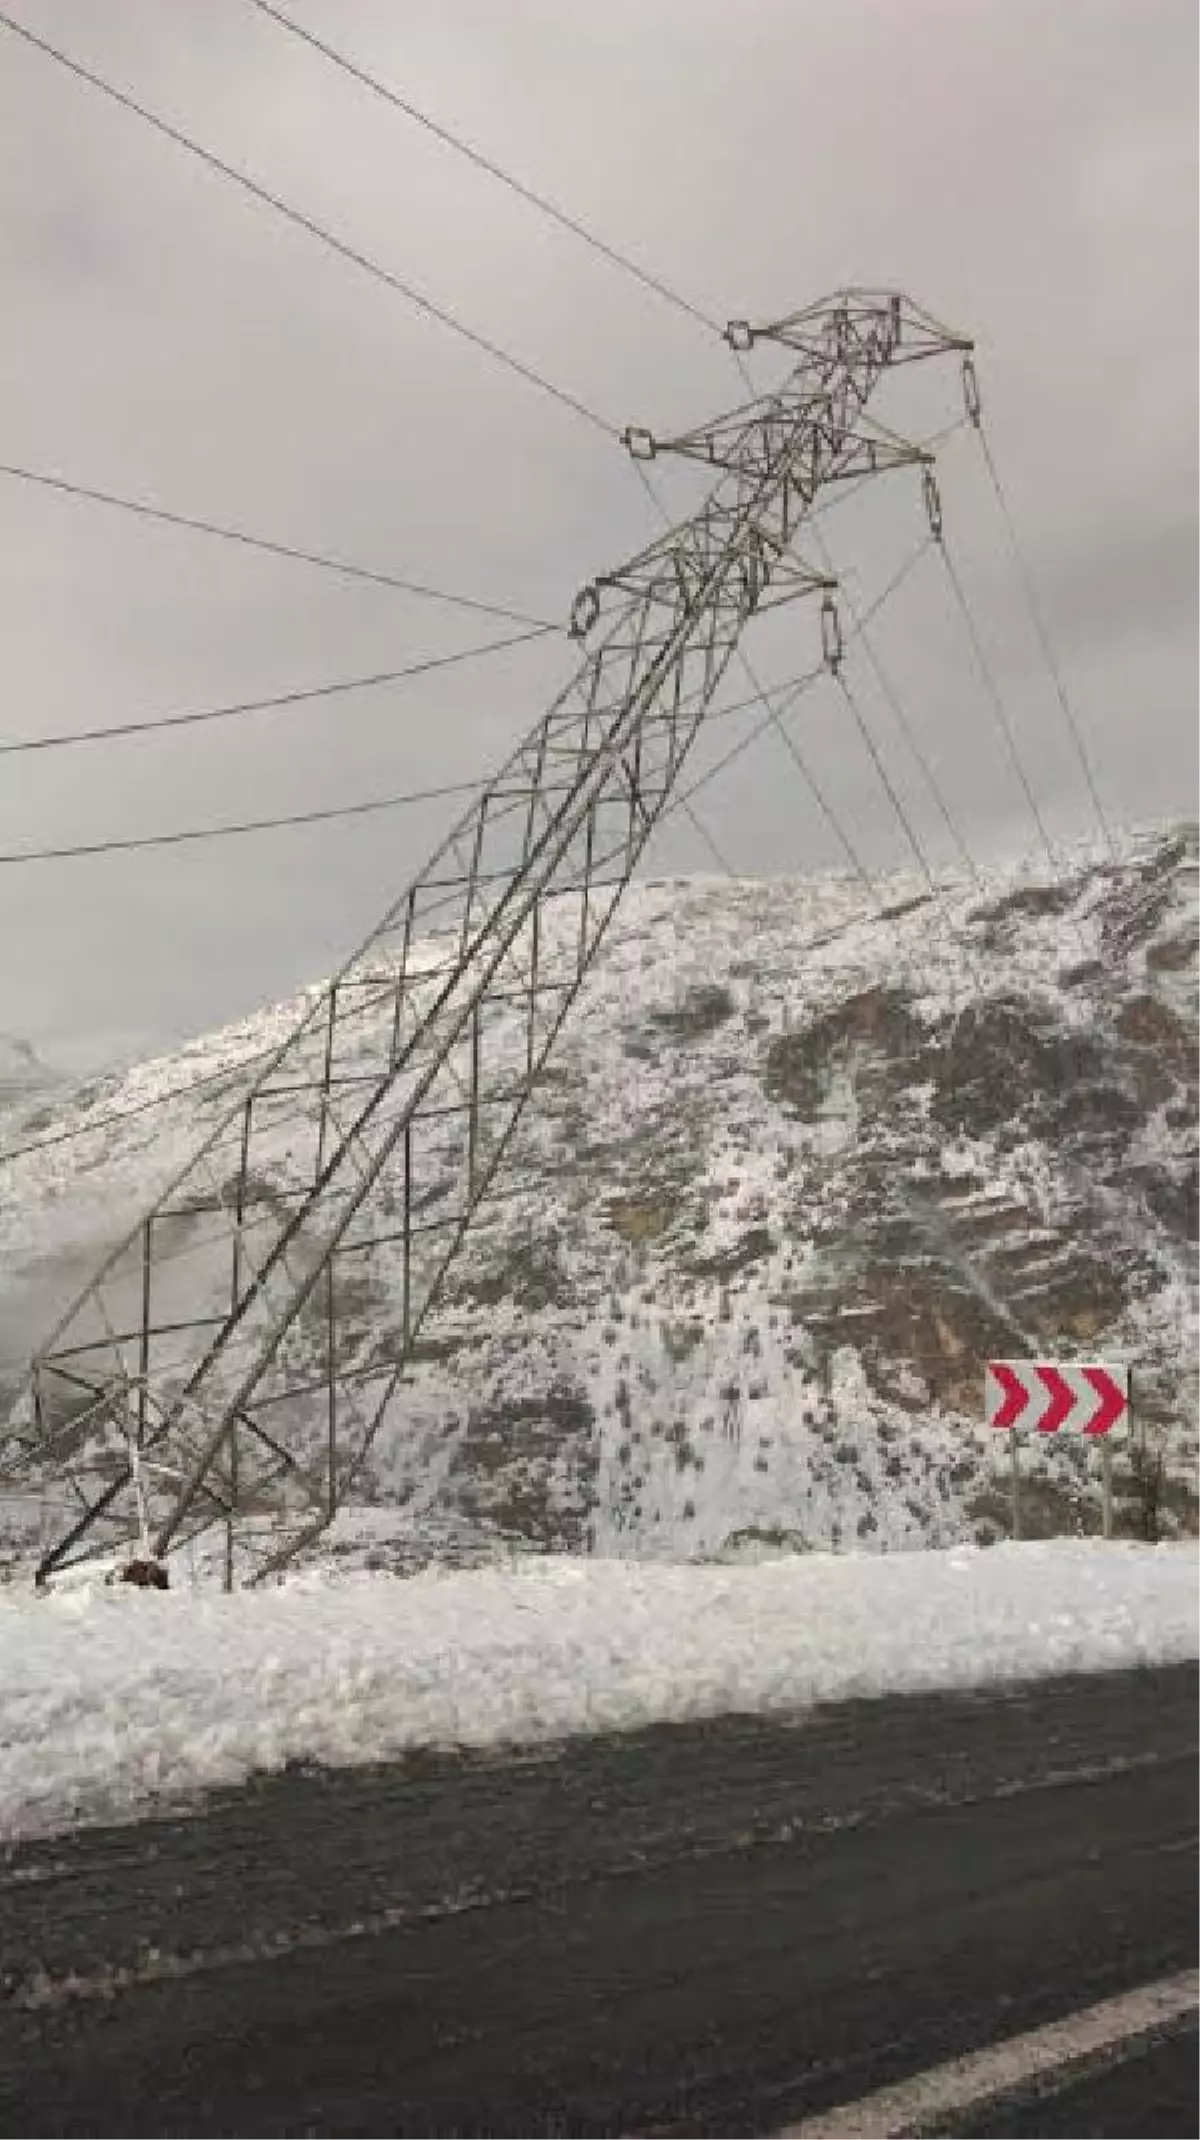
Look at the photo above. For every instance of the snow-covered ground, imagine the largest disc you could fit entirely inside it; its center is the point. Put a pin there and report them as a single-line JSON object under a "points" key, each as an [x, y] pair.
{"points": [[117, 1703]]}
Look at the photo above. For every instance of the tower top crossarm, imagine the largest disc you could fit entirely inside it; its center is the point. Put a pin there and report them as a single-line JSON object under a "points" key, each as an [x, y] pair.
{"points": [[855, 322], [843, 343]]}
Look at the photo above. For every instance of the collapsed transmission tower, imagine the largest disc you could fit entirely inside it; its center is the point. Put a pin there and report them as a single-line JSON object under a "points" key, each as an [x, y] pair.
{"points": [[223, 1372]]}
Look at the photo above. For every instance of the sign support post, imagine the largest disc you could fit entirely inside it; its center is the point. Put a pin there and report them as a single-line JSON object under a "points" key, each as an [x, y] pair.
{"points": [[1015, 1453]]}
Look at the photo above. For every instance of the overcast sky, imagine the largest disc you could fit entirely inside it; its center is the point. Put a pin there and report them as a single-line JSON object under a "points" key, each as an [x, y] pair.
{"points": [[1026, 169]]}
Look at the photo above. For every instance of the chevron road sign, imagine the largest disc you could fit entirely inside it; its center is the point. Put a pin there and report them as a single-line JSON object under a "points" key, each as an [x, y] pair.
{"points": [[1056, 1396]]}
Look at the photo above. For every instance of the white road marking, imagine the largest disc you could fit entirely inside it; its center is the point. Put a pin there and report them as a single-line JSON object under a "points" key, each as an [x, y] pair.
{"points": [[966, 2083]]}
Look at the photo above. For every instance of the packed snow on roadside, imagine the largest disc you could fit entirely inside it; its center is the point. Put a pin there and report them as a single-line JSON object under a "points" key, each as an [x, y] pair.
{"points": [[115, 1703]]}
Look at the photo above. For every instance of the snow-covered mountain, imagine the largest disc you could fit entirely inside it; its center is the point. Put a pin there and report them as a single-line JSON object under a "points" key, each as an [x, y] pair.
{"points": [[798, 1169]]}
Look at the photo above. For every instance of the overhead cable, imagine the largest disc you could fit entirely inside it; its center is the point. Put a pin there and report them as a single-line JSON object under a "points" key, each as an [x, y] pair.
{"points": [[784, 693], [307, 223], [860, 631], [788, 740], [892, 698], [123, 730], [783, 697], [673, 296], [465, 148], [822, 800], [698, 825], [999, 710], [341, 565], [885, 782], [310, 817], [1034, 606], [226, 832]]}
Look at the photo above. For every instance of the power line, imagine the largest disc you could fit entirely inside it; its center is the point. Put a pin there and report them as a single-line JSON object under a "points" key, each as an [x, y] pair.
{"points": [[885, 782], [196, 526], [861, 632], [898, 713], [362, 261], [551, 209], [947, 920], [309, 817], [793, 687], [823, 803], [698, 825], [125, 729], [786, 694], [1039, 624], [226, 832], [999, 710], [474, 155], [794, 693], [869, 743], [788, 740], [664, 290], [314, 229], [785, 702], [545, 206]]}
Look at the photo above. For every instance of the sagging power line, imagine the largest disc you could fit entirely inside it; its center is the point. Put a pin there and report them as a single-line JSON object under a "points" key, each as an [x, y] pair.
{"points": [[784, 697], [123, 731], [191, 835], [327, 815]]}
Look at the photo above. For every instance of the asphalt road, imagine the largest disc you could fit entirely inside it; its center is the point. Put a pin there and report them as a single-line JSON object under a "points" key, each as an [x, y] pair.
{"points": [[708, 1929]]}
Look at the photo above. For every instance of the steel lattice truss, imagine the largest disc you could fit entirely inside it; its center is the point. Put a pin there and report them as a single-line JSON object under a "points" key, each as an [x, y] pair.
{"points": [[211, 1375]]}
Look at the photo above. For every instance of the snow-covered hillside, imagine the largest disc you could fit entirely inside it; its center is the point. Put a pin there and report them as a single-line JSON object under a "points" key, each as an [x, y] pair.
{"points": [[799, 1168]]}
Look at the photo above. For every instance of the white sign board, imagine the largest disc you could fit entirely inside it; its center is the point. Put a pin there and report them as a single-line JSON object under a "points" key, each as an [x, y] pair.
{"points": [[1056, 1396]]}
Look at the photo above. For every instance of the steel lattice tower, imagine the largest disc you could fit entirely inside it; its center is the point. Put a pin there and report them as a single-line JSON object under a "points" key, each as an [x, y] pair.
{"points": [[207, 1376]]}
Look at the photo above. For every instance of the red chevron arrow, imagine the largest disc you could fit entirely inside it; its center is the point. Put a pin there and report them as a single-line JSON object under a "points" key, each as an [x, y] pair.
{"points": [[1112, 1400], [1062, 1400], [1016, 1395]]}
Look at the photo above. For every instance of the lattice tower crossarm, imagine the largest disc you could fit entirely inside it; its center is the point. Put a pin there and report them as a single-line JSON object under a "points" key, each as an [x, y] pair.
{"points": [[230, 1365]]}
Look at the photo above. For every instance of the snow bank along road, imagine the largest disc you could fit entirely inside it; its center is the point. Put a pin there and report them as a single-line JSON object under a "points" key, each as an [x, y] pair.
{"points": [[728, 1926], [112, 1702]]}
